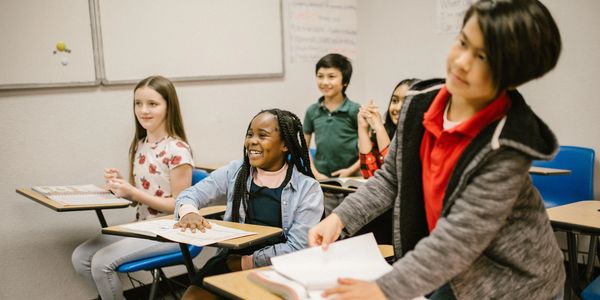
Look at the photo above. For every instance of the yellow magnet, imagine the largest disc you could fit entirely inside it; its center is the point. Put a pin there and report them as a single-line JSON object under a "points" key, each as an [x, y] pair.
{"points": [[61, 46]]}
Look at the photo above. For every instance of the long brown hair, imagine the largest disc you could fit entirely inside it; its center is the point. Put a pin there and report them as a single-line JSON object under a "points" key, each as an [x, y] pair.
{"points": [[174, 122]]}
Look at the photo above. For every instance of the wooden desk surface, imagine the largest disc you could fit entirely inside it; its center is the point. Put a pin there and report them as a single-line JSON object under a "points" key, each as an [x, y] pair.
{"points": [[330, 188], [548, 171], [236, 285], [582, 216], [263, 232], [41, 199]]}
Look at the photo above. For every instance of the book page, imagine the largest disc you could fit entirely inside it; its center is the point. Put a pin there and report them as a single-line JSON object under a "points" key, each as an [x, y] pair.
{"points": [[69, 189], [213, 235], [88, 199], [164, 228], [150, 228], [347, 182], [87, 194], [357, 257]]}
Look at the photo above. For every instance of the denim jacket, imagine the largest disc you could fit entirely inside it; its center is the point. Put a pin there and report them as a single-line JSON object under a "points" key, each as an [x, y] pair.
{"points": [[301, 206]]}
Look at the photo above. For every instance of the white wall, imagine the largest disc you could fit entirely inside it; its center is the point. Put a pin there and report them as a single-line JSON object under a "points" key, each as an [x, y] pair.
{"points": [[67, 136], [399, 41]]}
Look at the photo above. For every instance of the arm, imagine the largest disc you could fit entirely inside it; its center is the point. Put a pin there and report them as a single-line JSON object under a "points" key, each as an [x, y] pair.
{"points": [[461, 237], [306, 215], [369, 201], [364, 140], [318, 176], [349, 171], [376, 122], [213, 189], [181, 178]]}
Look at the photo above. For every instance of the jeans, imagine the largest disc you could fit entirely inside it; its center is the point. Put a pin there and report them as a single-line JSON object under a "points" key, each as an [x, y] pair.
{"points": [[97, 260]]}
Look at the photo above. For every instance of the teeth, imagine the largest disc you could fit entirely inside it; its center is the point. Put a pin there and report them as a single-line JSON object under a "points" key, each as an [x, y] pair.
{"points": [[254, 152]]}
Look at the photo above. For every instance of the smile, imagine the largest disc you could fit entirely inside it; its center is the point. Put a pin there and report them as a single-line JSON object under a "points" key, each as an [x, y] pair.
{"points": [[254, 153]]}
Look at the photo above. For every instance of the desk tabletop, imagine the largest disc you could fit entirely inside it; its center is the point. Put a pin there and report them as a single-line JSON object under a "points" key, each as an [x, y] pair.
{"points": [[548, 171], [41, 199], [582, 215], [263, 232], [236, 285], [330, 188]]}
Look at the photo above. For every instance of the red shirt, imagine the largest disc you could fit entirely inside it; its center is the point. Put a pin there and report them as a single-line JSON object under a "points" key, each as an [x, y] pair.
{"points": [[440, 149]]}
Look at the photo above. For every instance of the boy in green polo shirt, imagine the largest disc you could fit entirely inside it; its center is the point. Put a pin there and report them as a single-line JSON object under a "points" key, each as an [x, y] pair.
{"points": [[333, 120]]}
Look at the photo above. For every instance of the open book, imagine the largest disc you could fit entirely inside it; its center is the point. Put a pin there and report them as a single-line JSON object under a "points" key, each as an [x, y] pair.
{"points": [[88, 194], [164, 228], [347, 182], [305, 274]]}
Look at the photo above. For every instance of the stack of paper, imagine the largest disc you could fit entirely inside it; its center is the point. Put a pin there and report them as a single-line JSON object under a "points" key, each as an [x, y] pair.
{"points": [[307, 273]]}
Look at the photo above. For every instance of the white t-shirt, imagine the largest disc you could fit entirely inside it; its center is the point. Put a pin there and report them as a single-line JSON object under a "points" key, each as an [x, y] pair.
{"points": [[151, 170]]}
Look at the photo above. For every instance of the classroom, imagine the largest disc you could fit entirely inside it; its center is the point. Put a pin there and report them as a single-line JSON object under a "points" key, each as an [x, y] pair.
{"points": [[69, 134]]}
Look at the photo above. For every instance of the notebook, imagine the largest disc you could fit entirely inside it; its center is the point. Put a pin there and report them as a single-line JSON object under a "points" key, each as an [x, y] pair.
{"points": [[87, 194], [346, 182]]}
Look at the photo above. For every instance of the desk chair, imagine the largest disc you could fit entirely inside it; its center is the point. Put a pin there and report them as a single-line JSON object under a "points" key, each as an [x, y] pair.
{"points": [[564, 189], [559, 190], [154, 264], [592, 291]]}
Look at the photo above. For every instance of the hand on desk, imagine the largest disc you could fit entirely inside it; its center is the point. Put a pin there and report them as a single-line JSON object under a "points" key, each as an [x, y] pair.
{"points": [[347, 172], [192, 221], [354, 289], [326, 232]]}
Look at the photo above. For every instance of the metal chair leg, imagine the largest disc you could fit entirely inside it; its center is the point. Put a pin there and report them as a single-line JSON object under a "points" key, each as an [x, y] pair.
{"points": [[155, 280], [166, 279], [591, 258]]}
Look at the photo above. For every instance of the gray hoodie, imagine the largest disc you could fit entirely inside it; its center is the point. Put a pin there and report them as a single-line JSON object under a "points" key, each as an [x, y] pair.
{"points": [[493, 239]]}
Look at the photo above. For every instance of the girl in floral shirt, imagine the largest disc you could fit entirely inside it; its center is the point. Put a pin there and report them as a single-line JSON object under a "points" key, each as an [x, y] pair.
{"points": [[160, 163]]}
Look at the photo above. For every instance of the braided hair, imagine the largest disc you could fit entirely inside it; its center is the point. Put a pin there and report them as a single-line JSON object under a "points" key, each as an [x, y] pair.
{"points": [[292, 135]]}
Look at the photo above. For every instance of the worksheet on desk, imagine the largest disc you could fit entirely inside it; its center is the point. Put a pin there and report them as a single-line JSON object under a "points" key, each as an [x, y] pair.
{"points": [[164, 228]]}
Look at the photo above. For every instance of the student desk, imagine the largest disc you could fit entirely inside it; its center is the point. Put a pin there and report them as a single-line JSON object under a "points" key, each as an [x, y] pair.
{"points": [[336, 189], [263, 233], [236, 285], [548, 171], [579, 217], [331, 188], [56, 206]]}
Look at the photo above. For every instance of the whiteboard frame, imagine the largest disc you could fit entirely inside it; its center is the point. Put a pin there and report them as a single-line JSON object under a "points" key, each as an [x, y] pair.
{"points": [[106, 82], [96, 82]]}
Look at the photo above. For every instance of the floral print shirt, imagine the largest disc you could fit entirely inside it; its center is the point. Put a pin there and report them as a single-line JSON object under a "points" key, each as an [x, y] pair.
{"points": [[151, 170]]}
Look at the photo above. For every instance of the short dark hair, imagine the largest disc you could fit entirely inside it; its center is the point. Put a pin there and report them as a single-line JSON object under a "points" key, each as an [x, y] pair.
{"points": [[522, 40], [340, 62]]}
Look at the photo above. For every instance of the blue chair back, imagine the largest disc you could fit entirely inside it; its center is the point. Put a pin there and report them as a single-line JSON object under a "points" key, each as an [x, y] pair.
{"points": [[198, 175], [592, 291], [564, 189]]}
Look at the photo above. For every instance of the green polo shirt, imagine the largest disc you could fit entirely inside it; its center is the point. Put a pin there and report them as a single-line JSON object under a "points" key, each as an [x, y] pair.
{"points": [[336, 135]]}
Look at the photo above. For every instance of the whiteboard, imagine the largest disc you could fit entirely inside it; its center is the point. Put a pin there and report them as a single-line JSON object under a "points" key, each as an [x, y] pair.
{"points": [[189, 39], [30, 30]]}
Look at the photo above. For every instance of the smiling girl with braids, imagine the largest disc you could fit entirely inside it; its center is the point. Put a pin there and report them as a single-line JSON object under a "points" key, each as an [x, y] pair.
{"points": [[272, 185]]}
